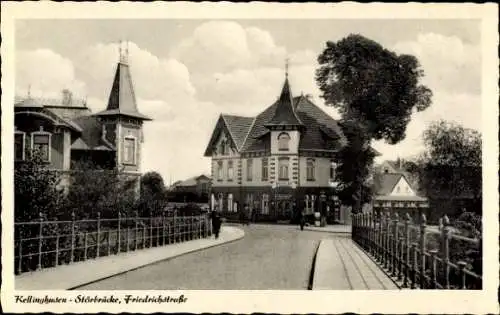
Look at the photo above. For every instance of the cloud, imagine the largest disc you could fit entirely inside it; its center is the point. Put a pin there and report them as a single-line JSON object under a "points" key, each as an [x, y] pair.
{"points": [[154, 78], [46, 74], [449, 64], [453, 72], [223, 46]]}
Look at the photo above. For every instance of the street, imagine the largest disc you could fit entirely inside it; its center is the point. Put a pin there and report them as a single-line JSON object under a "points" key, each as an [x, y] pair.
{"points": [[270, 257]]}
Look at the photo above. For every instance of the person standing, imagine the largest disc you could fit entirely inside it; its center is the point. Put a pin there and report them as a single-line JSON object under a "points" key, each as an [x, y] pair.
{"points": [[302, 220], [216, 223]]}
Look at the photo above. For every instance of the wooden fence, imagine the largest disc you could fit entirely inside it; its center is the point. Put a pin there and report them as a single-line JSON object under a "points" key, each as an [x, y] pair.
{"points": [[43, 244], [420, 256]]}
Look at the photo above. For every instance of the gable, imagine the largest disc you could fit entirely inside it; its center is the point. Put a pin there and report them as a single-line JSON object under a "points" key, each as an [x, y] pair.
{"points": [[402, 188], [221, 133]]}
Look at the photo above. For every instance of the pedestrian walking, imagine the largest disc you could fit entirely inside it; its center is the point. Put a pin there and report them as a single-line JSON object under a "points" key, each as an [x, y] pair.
{"points": [[302, 220], [216, 223]]}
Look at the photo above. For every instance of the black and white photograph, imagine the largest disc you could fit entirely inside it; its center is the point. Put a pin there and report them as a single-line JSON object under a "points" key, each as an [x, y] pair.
{"points": [[145, 157]]}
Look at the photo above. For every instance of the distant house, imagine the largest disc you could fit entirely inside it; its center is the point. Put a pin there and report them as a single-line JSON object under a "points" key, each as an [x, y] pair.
{"points": [[197, 185], [65, 131], [394, 193]]}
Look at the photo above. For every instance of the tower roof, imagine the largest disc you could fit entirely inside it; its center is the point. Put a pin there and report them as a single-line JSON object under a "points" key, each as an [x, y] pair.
{"points": [[285, 112], [122, 99]]}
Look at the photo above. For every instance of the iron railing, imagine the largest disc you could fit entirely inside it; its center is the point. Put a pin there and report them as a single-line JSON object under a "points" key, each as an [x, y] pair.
{"points": [[419, 256], [44, 244]]}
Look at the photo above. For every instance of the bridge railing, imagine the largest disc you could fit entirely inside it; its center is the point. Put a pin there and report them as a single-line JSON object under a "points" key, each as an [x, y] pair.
{"points": [[417, 255], [44, 244]]}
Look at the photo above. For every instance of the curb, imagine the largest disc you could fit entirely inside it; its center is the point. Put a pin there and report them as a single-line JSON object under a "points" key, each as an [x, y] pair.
{"points": [[379, 266]]}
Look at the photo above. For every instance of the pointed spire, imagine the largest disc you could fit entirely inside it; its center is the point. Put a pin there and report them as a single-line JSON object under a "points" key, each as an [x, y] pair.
{"points": [[285, 112], [29, 90], [122, 99], [287, 60]]}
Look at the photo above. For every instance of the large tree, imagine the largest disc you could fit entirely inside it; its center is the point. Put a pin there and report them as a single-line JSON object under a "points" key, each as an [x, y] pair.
{"points": [[374, 88], [451, 164]]}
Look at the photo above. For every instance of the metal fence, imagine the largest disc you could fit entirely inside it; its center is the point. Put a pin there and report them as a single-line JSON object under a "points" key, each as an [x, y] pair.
{"points": [[420, 256], [44, 244]]}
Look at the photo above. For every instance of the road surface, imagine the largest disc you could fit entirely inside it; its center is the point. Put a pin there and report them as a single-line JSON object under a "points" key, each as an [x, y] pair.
{"points": [[271, 257]]}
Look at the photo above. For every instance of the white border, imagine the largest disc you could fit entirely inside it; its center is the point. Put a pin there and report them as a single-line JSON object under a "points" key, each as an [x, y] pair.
{"points": [[484, 301]]}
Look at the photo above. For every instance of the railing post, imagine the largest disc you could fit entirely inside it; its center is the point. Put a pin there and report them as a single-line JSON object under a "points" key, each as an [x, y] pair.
{"points": [[433, 261], [407, 251], [175, 228], [20, 266], [387, 240], [150, 229], [401, 258], [85, 246], [422, 251], [40, 242], [414, 266], [72, 253], [379, 237], [98, 241], [118, 237], [445, 238], [461, 268], [57, 249], [369, 240], [163, 224], [127, 242], [395, 252], [136, 229]]}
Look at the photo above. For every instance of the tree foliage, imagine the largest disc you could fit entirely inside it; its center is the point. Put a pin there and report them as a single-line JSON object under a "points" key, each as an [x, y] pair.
{"points": [[362, 79], [36, 190], [355, 162], [375, 91], [95, 190], [153, 194], [451, 167]]}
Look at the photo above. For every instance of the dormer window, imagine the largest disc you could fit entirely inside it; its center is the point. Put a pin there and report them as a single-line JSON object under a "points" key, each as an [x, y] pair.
{"points": [[283, 141]]}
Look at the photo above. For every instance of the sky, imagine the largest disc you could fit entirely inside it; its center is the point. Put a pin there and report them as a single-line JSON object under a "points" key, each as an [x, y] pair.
{"points": [[187, 72]]}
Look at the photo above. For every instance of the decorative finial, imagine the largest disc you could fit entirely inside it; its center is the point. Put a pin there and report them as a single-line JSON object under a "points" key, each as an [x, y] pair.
{"points": [[29, 90], [123, 52], [287, 61]]}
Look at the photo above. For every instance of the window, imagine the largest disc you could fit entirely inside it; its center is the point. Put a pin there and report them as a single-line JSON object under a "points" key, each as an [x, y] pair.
{"points": [[249, 170], [283, 141], [129, 150], [265, 174], [41, 144], [19, 148], [222, 150], [265, 204], [398, 189], [333, 169], [283, 168], [230, 172], [310, 169], [220, 170], [230, 203]]}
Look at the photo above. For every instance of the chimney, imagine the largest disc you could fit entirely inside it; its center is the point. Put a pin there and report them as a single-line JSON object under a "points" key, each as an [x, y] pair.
{"points": [[67, 97], [309, 97]]}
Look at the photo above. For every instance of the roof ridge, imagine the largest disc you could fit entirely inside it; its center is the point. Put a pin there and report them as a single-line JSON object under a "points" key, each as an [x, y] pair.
{"points": [[248, 132], [230, 132]]}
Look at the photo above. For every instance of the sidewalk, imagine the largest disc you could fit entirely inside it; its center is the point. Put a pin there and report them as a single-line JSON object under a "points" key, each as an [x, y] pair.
{"points": [[341, 265], [71, 276]]}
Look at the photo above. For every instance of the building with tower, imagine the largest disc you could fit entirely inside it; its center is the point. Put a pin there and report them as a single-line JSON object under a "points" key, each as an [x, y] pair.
{"points": [[275, 164], [65, 130]]}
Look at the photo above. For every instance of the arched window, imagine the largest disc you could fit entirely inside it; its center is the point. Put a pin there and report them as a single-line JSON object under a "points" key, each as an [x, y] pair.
{"points": [[310, 169], [283, 141]]}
